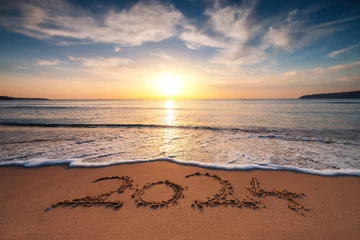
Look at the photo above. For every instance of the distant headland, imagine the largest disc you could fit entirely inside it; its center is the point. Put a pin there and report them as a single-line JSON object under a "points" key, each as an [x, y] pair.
{"points": [[354, 94], [15, 98]]}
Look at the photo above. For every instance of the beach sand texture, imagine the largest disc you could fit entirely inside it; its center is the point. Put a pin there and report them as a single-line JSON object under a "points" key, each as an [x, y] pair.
{"points": [[27, 192]]}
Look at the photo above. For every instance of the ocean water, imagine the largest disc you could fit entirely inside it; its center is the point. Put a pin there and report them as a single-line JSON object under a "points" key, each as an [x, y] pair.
{"points": [[315, 136]]}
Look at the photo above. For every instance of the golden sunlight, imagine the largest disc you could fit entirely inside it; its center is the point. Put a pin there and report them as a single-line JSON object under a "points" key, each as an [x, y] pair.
{"points": [[169, 84], [169, 104], [170, 112]]}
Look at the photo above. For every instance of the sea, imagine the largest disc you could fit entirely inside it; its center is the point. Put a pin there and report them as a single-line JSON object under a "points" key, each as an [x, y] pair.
{"points": [[313, 136]]}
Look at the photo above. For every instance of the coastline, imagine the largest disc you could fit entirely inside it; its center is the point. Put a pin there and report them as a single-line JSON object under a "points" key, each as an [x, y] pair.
{"points": [[29, 191]]}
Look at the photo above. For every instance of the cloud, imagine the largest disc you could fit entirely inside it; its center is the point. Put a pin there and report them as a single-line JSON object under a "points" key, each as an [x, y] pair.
{"points": [[335, 68], [290, 73], [228, 29], [22, 67], [318, 70], [280, 38], [331, 23], [294, 32], [63, 23], [223, 26], [232, 29], [325, 71], [349, 79], [164, 55], [344, 66], [338, 52], [232, 22], [49, 62], [239, 55], [117, 49], [101, 62], [317, 75], [195, 39]]}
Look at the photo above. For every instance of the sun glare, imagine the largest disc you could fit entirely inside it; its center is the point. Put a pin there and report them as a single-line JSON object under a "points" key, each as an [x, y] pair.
{"points": [[169, 104], [169, 84]]}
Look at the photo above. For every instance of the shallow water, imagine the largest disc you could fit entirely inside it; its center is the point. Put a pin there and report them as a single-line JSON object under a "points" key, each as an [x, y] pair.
{"points": [[318, 136]]}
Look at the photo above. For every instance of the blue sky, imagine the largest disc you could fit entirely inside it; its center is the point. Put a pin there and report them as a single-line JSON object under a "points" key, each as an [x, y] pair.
{"points": [[216, 49]]}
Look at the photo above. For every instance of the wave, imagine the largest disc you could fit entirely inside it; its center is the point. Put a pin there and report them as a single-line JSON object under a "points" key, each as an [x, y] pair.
{"points": [[136, 125], [79, 163], [85, 141], [343, 102], [30, 141], [343, 136], [327, 141], [41, 107], [39, 140]]}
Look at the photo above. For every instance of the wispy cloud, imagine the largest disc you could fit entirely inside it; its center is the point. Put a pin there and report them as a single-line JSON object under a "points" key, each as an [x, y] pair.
{"points": [[22, 67], [164, 55], [239, 55], [338, 52], [344, 66], [332, 23], [195, 38], [48, 62], [231, 25], [101, 62], [349, 79], [231, 30], [329, 71], [64, 23], [228, 29], [290, 73], [294, 32], [333, 69]]}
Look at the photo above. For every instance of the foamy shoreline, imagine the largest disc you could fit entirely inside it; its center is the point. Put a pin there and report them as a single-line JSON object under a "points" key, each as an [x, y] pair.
{"points": [[74, 163]]}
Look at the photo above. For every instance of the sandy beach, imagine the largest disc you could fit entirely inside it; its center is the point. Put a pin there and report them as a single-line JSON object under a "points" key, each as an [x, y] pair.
{"points": [[28, 192]]}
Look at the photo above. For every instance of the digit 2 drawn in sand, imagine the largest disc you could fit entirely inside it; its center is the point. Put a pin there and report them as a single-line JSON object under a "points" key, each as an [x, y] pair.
{"points": [[101, 199]]}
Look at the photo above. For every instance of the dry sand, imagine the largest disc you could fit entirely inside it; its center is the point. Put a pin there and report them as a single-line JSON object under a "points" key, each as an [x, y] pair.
{"points": [[26, 193]]}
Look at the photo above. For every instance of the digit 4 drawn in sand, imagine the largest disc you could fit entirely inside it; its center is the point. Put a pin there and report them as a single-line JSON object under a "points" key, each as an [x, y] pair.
{"points": [[290, 197]]}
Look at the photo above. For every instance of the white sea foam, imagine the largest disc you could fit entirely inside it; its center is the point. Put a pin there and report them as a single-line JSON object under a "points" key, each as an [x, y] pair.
{"points": [[79, 163]]}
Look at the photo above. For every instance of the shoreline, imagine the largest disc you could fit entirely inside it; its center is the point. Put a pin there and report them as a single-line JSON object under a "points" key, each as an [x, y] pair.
{"points": [[71, 163], [30, 191]]}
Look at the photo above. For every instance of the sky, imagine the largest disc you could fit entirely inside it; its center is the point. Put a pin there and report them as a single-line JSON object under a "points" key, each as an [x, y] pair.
{"points": [[188, 49]]}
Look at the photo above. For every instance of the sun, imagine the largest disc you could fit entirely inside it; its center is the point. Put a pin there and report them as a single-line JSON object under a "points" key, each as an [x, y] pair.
{"points": [[169, 84]]}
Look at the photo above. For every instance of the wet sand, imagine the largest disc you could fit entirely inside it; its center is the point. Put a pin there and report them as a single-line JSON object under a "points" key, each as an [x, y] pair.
{"points": [[27, 192]]}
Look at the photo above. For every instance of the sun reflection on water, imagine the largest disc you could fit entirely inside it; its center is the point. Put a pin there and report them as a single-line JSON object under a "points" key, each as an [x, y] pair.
{"points": [[171, 136], [170, 112]]}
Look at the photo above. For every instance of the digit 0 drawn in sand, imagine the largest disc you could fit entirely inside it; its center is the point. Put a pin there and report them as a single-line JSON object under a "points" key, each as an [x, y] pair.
{"points": [[140, 201]]}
